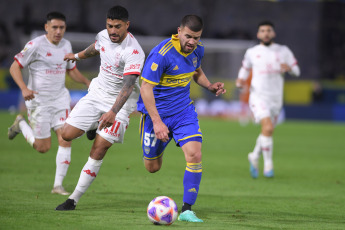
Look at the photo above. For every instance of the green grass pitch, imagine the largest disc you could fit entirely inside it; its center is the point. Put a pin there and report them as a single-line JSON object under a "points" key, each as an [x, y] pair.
{"points": [[308, 191]]}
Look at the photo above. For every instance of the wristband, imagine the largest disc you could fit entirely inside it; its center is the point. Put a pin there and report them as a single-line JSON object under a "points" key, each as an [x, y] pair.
{"points": [[76, 56]]}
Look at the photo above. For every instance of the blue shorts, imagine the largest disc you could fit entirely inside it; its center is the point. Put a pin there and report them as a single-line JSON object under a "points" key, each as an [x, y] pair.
{"points": [[183, 127]]}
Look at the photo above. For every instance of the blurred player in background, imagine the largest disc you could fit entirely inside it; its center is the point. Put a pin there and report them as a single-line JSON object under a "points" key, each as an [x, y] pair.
{"points": [[111, 98], [269, 62], [245, 114], [46, 97], [167, 110]]}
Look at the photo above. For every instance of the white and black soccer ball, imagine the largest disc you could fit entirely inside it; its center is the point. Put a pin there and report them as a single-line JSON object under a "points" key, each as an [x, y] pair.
{"points": [[162, 210]]}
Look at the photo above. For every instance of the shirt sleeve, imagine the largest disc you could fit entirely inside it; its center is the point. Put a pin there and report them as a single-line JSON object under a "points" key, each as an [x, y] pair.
{"points": [[290, 58], [134, 61], [27, 55], [246, 63], [292, 62], [200, 54], [97, 45], [154, 68], [246, 66], [70, 65]]}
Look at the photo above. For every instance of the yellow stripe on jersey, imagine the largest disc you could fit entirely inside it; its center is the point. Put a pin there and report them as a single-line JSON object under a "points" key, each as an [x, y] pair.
{"points": [[141, 127], [153, 158], [194, 167], [180, 80], [165, 48], [148, 81], [196, 135]]}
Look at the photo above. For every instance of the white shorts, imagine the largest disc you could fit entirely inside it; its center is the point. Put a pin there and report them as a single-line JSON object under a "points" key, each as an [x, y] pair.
{"points": [[263, 107], [89, 109], [44, 118]]}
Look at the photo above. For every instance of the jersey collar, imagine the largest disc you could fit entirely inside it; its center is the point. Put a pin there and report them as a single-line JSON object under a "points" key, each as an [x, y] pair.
{"points": [[176, 43]]}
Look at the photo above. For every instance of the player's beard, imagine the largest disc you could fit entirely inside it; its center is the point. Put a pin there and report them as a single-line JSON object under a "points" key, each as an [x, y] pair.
{"points": [[267, 43], [118, 38], [185, 50]]}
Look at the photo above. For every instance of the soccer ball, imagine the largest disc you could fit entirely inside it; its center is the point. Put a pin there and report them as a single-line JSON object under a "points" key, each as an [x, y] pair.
{"points": [[162, 210]]}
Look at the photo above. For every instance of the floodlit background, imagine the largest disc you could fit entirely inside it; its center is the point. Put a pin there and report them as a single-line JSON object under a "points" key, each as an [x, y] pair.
{"points": [[314, 31]]}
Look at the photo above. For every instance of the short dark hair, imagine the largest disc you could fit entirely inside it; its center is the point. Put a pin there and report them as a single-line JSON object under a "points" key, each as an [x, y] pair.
{"points": [[119, 13], [266, 23], [193, 22], [55, 15]]}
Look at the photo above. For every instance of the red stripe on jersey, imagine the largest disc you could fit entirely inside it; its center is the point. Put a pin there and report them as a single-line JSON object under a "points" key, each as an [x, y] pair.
{"points": [[129, 73], [66, 113], [117, 127], [18, 62], [130, 34], [113, 126]]}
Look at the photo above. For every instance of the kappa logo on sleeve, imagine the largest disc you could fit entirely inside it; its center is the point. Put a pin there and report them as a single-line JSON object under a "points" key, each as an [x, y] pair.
{"points": [[154, 66]]}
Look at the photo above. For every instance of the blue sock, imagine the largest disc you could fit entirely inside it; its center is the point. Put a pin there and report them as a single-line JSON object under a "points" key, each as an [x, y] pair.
{"points": [[191, 182]]}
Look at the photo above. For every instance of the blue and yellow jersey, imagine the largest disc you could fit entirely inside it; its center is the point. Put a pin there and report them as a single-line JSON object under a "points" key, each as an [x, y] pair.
{"points": [[171, 71]]}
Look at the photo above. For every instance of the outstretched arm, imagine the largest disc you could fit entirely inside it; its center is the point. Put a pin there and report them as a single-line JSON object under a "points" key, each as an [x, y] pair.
{"points": [[88, 52], [108, 118], [78, 77], [200, 78]]}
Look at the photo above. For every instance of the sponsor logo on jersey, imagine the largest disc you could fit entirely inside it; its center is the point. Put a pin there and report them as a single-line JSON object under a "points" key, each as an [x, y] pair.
{"points": [[114, 74], [55, 71], [195, 61], [66, 162], [102, 49], [258, 56], [107, 66], [154, 66], [58, 66], [49, 54], [178, 81], [135, 52], [133, 66], [193, 190], [88, 171], [175, 68]]}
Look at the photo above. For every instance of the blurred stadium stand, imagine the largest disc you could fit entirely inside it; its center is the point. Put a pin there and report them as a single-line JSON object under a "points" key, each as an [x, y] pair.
{"points": [[314, 30]]}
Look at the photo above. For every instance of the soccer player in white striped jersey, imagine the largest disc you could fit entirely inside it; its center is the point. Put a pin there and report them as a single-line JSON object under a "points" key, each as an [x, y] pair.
{"points": [[111, 98], [46, 97], [269, 62]]}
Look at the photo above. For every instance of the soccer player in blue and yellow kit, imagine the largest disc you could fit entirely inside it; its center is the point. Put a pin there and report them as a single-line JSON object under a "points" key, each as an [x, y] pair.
{"points": [[167, 110]]}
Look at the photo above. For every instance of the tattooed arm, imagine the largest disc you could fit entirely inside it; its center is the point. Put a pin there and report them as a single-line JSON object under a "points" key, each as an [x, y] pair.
{"points": [[88, 52], [108, 118]]}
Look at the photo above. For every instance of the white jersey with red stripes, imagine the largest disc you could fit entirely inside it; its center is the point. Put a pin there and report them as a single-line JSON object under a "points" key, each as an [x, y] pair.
{"points": [[47, 70], [117, 61], [265, 62]]}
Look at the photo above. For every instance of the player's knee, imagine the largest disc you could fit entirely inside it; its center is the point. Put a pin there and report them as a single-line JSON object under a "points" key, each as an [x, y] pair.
{"points": [[193, 156], [268, 130], [42, 148], [152, 167]]}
